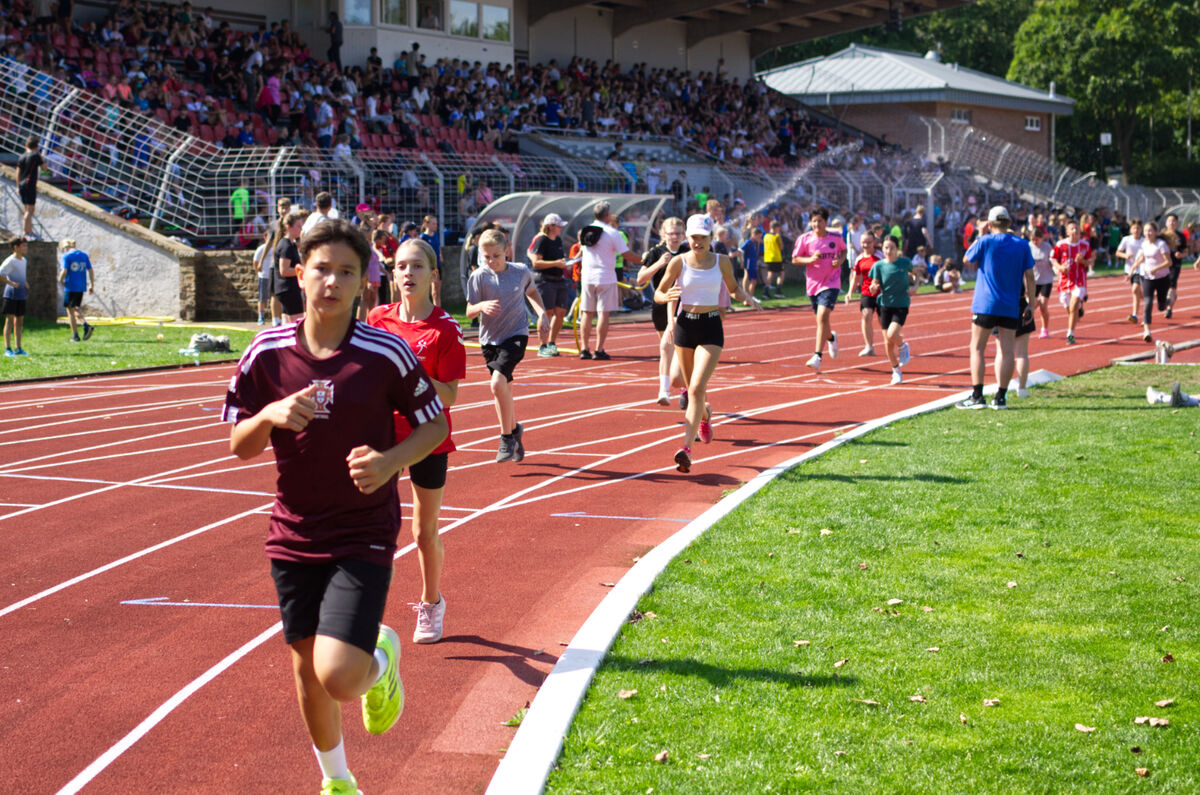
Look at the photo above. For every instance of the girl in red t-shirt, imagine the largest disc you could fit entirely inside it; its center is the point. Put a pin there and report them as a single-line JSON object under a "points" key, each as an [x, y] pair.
{"points": [[861, 276]]}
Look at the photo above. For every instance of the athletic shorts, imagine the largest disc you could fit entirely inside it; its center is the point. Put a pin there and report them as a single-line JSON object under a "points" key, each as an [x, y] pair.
{"points": [[73, 300], [996, 321], [341, 599], [827, 297], [1044, 290], [658, 316], [28, 196], [555, 295], [773, 267], [599, 298], [14, 307], [291, 302], [868, 302], [264, 286], [1175, 269], [430, 471], [892, 314], [693, 330], [505, 357], [752, 271], [1064, 296]]}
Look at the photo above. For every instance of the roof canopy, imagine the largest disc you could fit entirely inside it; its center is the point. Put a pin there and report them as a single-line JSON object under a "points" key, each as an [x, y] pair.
{"points": [[860, 75]]}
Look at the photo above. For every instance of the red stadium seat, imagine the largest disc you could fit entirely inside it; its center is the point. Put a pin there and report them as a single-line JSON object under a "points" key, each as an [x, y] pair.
{"points": [[73, 41]]}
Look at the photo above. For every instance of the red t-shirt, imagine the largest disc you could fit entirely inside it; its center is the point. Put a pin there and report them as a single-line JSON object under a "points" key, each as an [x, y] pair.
{"points": [[862, 266], [1076, 274], [438, 343], [319, 514]]}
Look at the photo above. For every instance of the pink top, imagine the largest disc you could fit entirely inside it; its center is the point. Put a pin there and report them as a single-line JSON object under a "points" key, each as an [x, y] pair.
{"points": [[826, 272], [273, 90]]}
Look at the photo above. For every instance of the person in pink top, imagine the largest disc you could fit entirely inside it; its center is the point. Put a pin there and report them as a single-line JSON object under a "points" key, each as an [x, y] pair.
{"points": [[821, 255]]}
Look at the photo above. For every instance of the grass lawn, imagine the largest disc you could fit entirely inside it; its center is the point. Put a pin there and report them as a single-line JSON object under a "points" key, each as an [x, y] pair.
{"points": [[111, 348], [842, 630]]}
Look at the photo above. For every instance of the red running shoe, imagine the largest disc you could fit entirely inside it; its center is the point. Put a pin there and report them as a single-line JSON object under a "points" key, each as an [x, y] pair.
{"points": [[706, 431]]}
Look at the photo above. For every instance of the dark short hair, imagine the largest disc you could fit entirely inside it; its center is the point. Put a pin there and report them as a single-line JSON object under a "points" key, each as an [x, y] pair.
{"points": [[336, 230], [324, 200], [31, 142], [820, 212]]}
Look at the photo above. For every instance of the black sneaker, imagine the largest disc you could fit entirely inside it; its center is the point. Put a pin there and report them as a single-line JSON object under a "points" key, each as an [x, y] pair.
{"points": [[87, 331], [585, 354], [74, 338], [1168, 313], [507, 446], [518, 453], [971, 403], [601, 355], [998, 403]]}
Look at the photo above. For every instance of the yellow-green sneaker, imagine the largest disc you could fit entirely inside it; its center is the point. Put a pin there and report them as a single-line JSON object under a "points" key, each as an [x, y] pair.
{"points": [[340, 786], [384, 702]]}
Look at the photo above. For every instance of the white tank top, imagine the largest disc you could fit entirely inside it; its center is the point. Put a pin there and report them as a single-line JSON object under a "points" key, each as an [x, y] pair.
{"points": [[700, 287]]}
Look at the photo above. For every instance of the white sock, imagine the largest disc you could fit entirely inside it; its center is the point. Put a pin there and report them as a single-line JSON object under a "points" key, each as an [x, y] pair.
{"points": [[333, 761], [895, 371], [664, 384], [382, 659]]}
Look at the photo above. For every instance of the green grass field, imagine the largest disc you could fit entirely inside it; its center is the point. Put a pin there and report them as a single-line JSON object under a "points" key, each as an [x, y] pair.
{"points": [[111, 348], [847, 629]]}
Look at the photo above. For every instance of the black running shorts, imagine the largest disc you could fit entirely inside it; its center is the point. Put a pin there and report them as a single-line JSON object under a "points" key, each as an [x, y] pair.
{"points": [[341, 599]]}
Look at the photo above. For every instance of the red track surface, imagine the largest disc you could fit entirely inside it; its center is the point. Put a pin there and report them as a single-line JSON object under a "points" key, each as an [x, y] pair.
{"points": [[95, 472]]}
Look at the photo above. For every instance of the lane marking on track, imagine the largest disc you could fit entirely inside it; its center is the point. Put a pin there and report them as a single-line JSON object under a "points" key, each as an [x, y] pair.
{"points": [[584, 515], [160, 601], [16, 466]]}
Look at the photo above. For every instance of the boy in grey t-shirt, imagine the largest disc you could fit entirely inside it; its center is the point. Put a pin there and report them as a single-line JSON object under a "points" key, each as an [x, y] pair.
{"points": [[494, 295]]}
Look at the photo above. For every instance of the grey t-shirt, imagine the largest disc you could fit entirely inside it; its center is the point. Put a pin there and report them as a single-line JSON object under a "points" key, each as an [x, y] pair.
{"points": [[508, 287]]}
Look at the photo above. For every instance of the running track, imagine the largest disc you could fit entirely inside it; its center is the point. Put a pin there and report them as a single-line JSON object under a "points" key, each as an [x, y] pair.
{"points": [[119, 489]]}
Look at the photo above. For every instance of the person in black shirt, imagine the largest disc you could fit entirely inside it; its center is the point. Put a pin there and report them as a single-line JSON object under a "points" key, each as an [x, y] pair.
{"points": [[548, 260], [652, 270], [287, 287], [914, 231], [334, 29], [28, 166]]}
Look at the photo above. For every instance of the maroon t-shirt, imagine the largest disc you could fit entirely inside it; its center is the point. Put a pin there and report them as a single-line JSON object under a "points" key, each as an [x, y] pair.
{"points": [[319, 515]]}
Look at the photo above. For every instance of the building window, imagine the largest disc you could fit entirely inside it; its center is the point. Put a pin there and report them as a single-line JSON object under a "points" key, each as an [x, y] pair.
{"points": [[393, 12], [358, 12], [1033, 123], [464, 18], [495, 23], [960, 116], [429, 15]]}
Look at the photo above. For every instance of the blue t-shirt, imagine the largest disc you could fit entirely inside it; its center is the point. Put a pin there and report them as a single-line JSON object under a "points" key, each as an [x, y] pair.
{"points": [[751, 252], [1002, 260], [76, 264], [434, 240]]}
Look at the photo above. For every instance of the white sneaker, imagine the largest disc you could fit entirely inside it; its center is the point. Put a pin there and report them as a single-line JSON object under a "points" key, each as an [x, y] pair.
{"points": [[1156, 398], [833, 346], [664, 399], [1022, 393], [867, 351], [904, 354], [429, 621], [815, 362], [897, 378]]}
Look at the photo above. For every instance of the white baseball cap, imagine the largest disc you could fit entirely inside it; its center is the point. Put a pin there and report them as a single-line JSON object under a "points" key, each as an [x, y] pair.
{"points": [[553, 219], [699, 225], [999, 213]]}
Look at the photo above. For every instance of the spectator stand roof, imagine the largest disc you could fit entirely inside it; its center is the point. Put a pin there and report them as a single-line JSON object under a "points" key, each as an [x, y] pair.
{"points": [[520, 216], [860, 75], [770, 23]]}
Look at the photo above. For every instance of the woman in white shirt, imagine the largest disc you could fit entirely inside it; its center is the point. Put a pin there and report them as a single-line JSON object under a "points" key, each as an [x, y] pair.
{"points": [[1043, 273], [1153, 265], [1128, 250]]}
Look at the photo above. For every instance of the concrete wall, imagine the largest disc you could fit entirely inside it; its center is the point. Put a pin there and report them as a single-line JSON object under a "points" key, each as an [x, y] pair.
{"points": [[888, 120]]}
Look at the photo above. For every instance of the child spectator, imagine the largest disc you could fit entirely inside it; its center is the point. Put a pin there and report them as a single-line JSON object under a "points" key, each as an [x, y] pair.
{"points": [[76, 275], [16, 291]]}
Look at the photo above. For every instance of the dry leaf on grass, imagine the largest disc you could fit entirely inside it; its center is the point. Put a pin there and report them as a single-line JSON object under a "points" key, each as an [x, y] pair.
{"points": [[840, 753], [1012, 584], [840, 663], [918, 699], [1135, 750], [926, 608], [800, 643], [704, 756], [862, 460], [1142, 771], [1156, 722], [1166, 702], [626, 693], [650, 615], [962, 719], [863, 567], [991, 702], [1164, 628], [662, 688], [1167, 658], [647, 661], [869, 702], [933, 649], [794, 532], [661, 756], [895, 601], [825, 531], [1084, 729]]}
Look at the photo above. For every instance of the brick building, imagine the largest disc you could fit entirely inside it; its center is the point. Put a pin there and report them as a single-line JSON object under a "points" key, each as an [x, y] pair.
{"points": [[876, 90]]}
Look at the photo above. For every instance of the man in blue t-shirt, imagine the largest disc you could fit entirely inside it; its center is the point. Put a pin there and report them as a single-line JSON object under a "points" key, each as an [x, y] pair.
{"points": [[1005, 264], [76, 276]]}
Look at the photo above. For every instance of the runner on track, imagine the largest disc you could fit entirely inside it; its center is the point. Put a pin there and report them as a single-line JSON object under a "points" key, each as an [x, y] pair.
{"points": [[1127, 250], [548, 259], [896, 282], [1072, 259], [654, 265], [1153, 265], [868, 305], [821, 255], [1178, 244], [436, 338], [693, 283], [322, 393], [1043, 276]]}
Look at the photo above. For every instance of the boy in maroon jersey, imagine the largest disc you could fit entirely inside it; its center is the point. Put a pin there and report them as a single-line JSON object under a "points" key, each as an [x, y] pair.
{"points": [[322, 391]]}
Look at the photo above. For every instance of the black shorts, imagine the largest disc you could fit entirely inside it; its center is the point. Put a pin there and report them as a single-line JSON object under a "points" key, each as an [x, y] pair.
{"points": [[1024, 327], [827, 297], [1175, 269], [996, 321], [14, 307], [868, 302], [73, 300], [430, 471], [658, 316], [28, 196], [693, 330], [892, 314], [341, 599], [505, 357], [773, 267], [291, 302], [1044, 290], [555, 295]]}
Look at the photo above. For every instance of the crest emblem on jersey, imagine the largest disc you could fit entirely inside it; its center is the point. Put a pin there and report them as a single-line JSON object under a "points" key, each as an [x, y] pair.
{"points": [[323, 397]]}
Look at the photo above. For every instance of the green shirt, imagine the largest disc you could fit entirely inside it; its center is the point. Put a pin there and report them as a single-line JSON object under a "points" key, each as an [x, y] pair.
{"points": [[239, 200], [892, 278]]}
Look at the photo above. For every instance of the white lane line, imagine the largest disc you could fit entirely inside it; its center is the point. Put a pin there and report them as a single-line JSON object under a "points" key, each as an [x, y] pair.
{"points": [[91, 432], [15, 466]]}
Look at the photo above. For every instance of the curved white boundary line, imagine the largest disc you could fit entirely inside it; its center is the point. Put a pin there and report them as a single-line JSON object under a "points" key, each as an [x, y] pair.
{"points": [[536, 746]]}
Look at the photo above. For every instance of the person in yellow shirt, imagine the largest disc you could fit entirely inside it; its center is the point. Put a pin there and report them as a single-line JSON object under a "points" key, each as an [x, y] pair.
{"points": [[773, 261]]}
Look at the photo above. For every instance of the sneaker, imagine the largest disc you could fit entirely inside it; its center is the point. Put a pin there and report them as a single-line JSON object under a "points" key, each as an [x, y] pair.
{"points": [[585, 354], [833, 346], [1070, 338], [507, 446], [601, 355], [88, 328], [1044, 333], [998, 403], [518, 453], [1170, 311], [74, 338], [550, 346], [1156, 398], [1132, 318], [1022, 393], [971, 403], [429, 621], [9, 352], [897, 377], [664, 399], [1081, 313], [20, 352], [683, 400], [905, 354], [340, 786], [815, 362], [1176, 398], [867, 351], [1147, 338], [683, 459], [544, 351], [706, 431], [260, 320], [383, 703]]}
